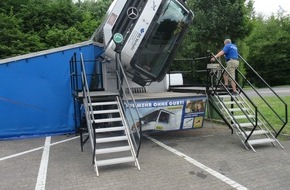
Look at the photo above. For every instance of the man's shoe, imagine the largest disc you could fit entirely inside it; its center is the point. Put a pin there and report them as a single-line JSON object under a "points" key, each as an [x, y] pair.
{"points": [[234, 93]]}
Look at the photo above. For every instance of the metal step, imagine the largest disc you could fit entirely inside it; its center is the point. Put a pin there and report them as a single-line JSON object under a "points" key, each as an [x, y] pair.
{"points": [[113, 150], [237, 109], [243, 116], [233, 102], [246, 125], [114, 161], [109, 129], [228, 97], [224, 96], [111, 139], [105, 111], [100, 94], [104, 103], [257, 132], [107, 120], [260, 141]]}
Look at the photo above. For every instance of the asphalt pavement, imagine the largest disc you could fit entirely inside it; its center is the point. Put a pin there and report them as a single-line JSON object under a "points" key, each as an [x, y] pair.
{"points": [[281, 91], [205, 159]]}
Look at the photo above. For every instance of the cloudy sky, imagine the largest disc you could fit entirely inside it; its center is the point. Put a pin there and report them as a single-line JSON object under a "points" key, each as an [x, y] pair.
{"points": [[267, 7]]}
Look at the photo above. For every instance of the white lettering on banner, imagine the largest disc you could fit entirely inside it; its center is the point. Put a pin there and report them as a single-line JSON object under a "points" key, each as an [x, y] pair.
{"points": [[176, 103], [163, 104], [144, 105], [156, 104]]}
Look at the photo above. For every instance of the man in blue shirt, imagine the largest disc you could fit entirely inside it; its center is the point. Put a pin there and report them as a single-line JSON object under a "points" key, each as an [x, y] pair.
{"points": [[230, 51]]}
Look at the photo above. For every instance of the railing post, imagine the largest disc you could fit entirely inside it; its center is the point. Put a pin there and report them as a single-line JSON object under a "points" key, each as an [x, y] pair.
{"points": [[121, 76]]}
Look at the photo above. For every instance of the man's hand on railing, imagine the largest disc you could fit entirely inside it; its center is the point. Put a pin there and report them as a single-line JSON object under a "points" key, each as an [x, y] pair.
{"points": [[212, 59]]}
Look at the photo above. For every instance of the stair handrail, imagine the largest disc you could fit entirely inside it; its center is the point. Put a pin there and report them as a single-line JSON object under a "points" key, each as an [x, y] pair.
{"points": [[262, 121], [86, 95], [251, 85], [127, 131], [240, 129], [127, 83], [86, 90], [73, 74], [271, 89], [138, 128], [255, 124], [74, 88]]}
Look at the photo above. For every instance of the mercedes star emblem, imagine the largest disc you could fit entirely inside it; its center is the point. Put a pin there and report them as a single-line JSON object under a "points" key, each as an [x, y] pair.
{"points": [[132, 13]]}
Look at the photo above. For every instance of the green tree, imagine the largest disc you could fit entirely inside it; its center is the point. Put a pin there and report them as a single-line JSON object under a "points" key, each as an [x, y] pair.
{"points": [[39, 16], [13, 40], [6, 6], [214, 21], [87, 25], [33, 25], [269, 47], [9, 34]]}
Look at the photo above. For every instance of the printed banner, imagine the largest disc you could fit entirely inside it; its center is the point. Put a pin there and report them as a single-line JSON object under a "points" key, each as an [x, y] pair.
{"points": [[170, 113]]}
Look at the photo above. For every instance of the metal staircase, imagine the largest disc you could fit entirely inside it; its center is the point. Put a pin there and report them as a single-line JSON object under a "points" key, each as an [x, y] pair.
{"points": [[109, 133], [112, 141], [241, 114], [250, 128]]}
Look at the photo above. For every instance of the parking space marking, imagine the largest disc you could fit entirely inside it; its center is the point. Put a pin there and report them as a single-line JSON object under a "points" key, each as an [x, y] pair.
{"points": [[21, 153], [65, 140], [35, 149], [41, 178], [200, 165]]}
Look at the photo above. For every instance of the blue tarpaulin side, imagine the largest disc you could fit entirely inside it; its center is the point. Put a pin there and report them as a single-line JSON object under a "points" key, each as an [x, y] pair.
{"points": [[35, 95]]}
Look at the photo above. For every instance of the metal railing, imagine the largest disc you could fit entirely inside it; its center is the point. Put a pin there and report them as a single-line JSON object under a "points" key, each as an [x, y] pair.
{"points": [[193, 71], [74, 89], [136, 129], [257, 112], [284, 120], [129, 134], [88, 107], [214, 89]]}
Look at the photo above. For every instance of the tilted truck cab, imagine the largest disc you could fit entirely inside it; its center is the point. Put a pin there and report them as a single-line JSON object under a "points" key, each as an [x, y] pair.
{"points": [[146, 34]]}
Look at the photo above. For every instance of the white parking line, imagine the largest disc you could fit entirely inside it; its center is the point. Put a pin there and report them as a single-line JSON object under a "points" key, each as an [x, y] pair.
{"points": [[35, 149], [41, 178], [20, 154], [200, 165]]}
